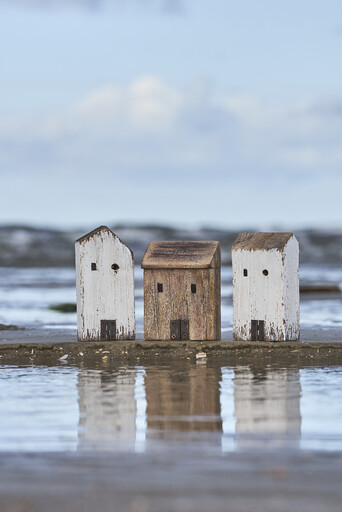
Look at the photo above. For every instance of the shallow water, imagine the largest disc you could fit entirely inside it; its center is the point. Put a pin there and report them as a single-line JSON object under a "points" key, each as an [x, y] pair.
{"points": [[27, 293], [177, 406]]}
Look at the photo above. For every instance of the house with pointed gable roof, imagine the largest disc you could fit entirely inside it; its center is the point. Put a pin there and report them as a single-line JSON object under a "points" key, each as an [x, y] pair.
{"points": [[182, 290], [266, 287], [105, 287]]}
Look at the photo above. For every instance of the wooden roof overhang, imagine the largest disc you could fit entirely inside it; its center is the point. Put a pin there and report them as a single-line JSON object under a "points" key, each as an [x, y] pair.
{"points": [[182, 255], [261, 241]]}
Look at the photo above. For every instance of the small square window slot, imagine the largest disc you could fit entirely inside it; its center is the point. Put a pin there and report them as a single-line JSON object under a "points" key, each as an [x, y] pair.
{"points": [[160, 287], [245, 272], [193, 288], [93, 266]]}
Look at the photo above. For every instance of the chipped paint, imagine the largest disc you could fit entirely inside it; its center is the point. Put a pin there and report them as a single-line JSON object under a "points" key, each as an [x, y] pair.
{"points": [[272, 297], [104, 293]]}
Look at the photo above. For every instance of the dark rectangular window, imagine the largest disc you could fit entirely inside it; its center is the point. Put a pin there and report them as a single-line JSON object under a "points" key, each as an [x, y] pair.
{"points": [[193, 288], [93, 266], [108, 330], [160, 287], [245, 272]]}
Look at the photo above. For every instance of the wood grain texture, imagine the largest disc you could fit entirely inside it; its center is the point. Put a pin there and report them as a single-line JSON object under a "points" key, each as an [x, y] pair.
{"points": [[261, 241], [177, 302], [173, 255], [268, 292], [104, 285]]}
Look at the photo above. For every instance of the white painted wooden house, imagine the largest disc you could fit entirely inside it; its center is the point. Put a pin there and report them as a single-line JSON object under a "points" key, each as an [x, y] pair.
{"points": [[105, 287], [266, 287]]}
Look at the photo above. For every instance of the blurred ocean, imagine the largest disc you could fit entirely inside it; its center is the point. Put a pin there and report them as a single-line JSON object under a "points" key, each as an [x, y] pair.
{"points": [[29, 247], [37, 271], [27, 293]]}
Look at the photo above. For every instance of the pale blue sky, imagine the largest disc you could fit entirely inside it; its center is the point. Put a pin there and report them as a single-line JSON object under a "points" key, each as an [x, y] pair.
{"points": [[171, 111]]}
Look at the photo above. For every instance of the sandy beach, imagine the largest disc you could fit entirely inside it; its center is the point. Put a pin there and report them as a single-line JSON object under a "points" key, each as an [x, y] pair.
{"points": [[257, 482], [67, 337], [171, 476]]}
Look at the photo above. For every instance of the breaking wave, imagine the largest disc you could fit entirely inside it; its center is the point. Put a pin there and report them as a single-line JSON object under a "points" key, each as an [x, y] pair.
{"points": [[22, 246]]}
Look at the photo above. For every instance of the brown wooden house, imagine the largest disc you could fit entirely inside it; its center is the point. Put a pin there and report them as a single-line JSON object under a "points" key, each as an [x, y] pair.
{"points": [[182, 291]]}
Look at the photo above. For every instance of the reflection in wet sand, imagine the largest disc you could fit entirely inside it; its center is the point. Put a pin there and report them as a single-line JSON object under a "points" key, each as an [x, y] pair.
{"points": [[108, 409], [267, 407], [185, 399], [132, 408]]}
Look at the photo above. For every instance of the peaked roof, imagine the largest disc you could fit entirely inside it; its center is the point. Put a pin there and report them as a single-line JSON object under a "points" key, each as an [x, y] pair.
{"points": [[173, 255], [97, 231], [261, 241], [93, 233]]}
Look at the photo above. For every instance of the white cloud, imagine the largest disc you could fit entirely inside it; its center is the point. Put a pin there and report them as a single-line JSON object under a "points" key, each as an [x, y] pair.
{"points": [[152, 127], [167, 6], [147, 105]]}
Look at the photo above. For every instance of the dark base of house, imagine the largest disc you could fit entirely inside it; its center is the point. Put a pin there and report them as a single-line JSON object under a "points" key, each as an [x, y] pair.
{"points": [[317, 346]]}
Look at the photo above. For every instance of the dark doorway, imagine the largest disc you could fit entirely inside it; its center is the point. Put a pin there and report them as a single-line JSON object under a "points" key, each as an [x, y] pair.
{"points": [[179, 330], [108, 330], [258, 330]]}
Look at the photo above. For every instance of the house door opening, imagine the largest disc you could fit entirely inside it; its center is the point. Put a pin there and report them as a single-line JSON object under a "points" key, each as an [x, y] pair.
{"points": [[179, 330], [108, 330], [258, 330]]}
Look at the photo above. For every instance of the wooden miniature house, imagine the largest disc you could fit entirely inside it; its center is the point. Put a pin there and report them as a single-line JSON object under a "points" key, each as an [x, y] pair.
{"points": [[105, 287], [265, 287], [182, 291]]}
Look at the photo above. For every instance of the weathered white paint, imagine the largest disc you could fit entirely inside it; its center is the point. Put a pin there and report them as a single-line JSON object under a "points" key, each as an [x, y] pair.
{"points": [[104, 293], [273, 298], [291, 289]]}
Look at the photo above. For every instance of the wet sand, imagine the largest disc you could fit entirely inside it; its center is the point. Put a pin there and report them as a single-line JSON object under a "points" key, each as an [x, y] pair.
{"points": [[177, 478], [176, 481], [317, 346]]}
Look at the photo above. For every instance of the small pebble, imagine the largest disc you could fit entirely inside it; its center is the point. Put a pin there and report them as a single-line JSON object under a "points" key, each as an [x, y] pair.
{"points": [[201, 355]]}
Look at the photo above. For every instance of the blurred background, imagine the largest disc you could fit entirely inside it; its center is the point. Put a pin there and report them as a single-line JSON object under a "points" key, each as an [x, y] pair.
{"points": [[167, 119]]}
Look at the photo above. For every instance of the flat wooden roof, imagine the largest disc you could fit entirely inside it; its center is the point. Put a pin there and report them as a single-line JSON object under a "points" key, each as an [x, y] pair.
{"points": [[261, 241], [172, 255]]}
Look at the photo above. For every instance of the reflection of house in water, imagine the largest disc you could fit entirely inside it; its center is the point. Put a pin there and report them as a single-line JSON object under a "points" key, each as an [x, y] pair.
{"points": [[267, 405], [107, 409], [183, 399]]}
